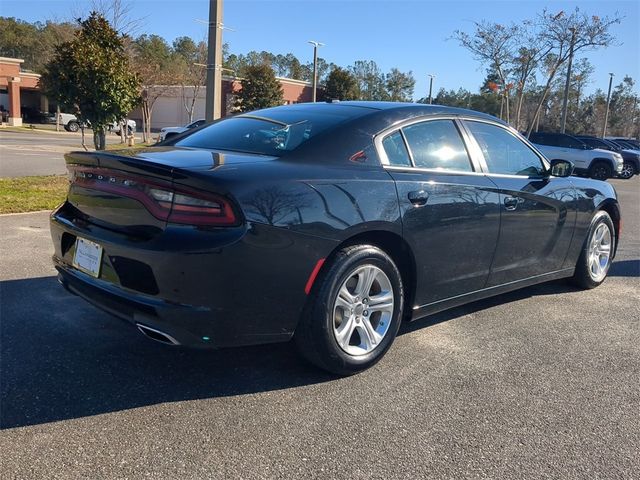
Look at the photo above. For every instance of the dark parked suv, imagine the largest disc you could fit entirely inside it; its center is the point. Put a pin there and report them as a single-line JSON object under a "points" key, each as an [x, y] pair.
{"points": [[594, 162], [631, 160]]}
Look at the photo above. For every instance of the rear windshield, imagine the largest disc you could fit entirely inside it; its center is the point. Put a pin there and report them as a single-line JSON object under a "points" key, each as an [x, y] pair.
{"points": [[273, 131]]}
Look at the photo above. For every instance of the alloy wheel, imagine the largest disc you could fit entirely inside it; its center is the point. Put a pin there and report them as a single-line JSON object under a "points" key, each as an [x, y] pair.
{"points": [[600, 172], [627, 171], [363, 310], [600, 252]]}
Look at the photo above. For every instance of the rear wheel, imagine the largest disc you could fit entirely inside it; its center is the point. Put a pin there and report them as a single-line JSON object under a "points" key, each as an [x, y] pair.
{"points": [[601, 170], [354, 313], [628, 170], [595, 258], [73, 126]]}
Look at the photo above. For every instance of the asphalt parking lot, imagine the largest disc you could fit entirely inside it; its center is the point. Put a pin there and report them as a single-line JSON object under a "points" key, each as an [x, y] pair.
{"points": [[41, 152], [539, 383]]}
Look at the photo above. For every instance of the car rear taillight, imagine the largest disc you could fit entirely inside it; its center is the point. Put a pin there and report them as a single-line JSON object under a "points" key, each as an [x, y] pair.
{"points": [[160, 198]]}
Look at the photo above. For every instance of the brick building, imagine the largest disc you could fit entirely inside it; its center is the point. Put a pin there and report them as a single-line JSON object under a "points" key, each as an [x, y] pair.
{"points": [[169, 109], [20, 97], [18, 90]]}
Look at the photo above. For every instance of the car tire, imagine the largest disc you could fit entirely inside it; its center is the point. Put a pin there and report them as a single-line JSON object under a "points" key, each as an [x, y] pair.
{"points": [[72, 127], [348, 326], [601, 170], [597, 252], [628, 170]]}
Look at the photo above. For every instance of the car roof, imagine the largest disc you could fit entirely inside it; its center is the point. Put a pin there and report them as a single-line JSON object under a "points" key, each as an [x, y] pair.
{"points": [[590, 137], [380, 108]]}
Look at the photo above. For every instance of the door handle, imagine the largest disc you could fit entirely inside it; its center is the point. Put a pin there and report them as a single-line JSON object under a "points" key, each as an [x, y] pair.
{"points": [[511, 203], [418, 198]]}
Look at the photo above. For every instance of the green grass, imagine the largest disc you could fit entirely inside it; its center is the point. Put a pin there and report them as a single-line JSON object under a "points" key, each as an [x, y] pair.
{"points": [[124, 146], [29, 194]]}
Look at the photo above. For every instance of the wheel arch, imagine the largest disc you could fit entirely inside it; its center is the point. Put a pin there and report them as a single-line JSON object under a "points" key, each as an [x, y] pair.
{"points": [[613, 209], [393, 245], [608, 161]]}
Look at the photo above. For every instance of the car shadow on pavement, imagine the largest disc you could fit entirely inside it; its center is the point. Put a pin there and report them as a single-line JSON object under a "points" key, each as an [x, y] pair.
{"points": [[549, 288], [625, 268], [622, 268], [62, 358]]}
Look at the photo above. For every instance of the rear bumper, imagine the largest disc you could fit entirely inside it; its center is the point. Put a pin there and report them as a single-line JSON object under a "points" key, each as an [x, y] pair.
{"points": [[230, 287], [184, 323]]}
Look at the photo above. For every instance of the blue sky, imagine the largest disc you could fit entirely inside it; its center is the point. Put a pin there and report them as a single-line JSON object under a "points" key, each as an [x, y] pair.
{"points": [[409, 35]]}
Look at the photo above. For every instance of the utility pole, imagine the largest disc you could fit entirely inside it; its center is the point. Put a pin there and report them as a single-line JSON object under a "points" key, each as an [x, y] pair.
{"points": [[214, 62], [565, 100], [431, 77], [606, 115], [315, 68]]}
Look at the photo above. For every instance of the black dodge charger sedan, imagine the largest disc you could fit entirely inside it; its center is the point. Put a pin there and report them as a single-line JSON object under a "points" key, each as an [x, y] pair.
{"points": [[328, 223]]}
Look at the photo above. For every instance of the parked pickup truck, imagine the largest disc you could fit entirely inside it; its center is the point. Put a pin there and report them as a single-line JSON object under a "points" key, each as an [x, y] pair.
{"points": [[71, 124], [594, 162]]}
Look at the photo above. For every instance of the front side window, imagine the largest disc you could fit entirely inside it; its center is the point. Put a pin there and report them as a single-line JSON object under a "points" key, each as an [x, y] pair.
{"points": [[504, 152], [437, 144], [543, 139]]}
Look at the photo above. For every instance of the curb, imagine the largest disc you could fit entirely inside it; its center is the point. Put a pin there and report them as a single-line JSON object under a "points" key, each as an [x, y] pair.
{"points": [[23, 213]]}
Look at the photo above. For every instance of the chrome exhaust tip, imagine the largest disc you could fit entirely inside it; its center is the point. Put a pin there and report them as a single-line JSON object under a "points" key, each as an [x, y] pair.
{"points": [[157, 335]]}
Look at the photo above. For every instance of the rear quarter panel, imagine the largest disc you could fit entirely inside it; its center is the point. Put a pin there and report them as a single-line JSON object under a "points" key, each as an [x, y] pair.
{"points": [[294, 215]]}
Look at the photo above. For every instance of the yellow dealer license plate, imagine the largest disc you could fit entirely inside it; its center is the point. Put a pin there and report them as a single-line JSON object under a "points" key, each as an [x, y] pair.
{"points": [[88, 257]]}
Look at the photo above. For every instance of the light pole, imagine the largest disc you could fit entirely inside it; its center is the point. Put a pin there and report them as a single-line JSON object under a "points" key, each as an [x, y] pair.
{"points": [[315, 67], [565, 100], [606, 115], [214, 62], [431, 77]]}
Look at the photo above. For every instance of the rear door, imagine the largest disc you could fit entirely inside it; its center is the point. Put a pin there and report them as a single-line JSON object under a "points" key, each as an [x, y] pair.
{"points": [[450, 210], [537, 211]]}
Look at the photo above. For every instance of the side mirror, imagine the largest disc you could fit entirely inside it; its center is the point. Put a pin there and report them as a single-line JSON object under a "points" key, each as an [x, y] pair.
{"points": [[561, 168]]}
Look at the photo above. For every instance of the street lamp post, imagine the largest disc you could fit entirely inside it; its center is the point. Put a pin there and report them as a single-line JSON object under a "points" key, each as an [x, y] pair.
{"points": [[213, 104], [606, 115], [315, 67], [431, 77], [565, 100]]}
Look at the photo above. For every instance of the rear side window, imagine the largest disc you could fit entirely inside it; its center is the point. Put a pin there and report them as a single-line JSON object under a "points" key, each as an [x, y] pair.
{"points": [[569, 142], [595, 143], [504, 152], [396, 150], [437, 144]]}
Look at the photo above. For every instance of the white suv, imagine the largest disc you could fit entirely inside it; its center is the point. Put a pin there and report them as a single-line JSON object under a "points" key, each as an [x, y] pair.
{"points": [[71, 124], [594, 162]]}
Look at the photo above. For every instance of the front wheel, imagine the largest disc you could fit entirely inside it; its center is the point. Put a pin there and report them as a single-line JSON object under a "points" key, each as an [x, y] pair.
{"points": [[597, 252], [601, 171], [73, 126], [354, 312]]}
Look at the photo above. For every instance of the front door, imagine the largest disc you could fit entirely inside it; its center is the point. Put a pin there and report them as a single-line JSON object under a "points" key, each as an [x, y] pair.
{"points": [[537, 211]]}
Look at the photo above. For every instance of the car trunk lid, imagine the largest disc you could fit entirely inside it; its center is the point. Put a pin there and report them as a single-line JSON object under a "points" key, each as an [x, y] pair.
{"points": [[140, 192]]}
